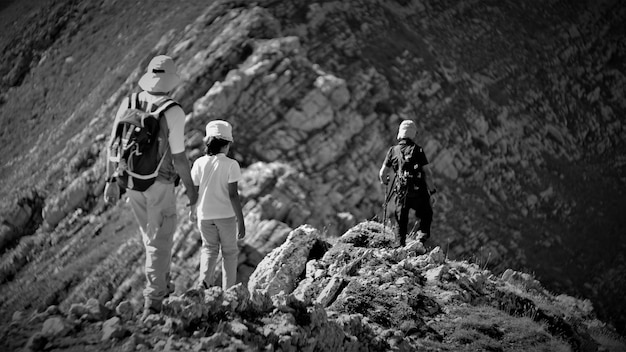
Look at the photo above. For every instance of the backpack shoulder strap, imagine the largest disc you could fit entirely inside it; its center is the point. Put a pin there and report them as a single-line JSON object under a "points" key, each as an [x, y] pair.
{"points": [[133, 101], [412, 155], [396, 151], [166, 105], [407, 156]]}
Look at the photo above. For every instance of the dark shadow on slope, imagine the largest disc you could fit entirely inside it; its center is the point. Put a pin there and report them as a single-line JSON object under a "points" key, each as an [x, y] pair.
{"points": [[318, 250], [30, 206], [515, 305], [5, 3], [367, 234]]}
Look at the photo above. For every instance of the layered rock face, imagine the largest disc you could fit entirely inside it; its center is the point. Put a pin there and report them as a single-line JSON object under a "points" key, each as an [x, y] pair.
{"points": [[354, 295], [518, 107]]}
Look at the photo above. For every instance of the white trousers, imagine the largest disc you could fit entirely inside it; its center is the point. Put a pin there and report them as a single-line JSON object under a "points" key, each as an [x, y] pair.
{"points": [[216, 234], [155, 211]]}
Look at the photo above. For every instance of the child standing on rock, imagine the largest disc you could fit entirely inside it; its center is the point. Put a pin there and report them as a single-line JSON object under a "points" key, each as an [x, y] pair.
{"points": [[218, 212]]}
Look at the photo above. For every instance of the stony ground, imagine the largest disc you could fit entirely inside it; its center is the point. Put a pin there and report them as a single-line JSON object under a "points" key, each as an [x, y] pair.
{"points": [[505, 96], [356, 295]]}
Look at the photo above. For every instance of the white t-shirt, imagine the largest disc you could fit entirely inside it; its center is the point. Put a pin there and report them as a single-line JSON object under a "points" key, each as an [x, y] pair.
{"points": [[213, 173]]}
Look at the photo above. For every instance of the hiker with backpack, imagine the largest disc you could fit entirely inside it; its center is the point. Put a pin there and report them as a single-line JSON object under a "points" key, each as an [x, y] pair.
{"points": [[411, 186], [218, 212], [146, 159]]}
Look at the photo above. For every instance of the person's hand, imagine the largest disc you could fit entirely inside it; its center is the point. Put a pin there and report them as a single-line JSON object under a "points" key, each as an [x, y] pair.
{"points": [[241, 233], [111, 192], [431, 197], [192, 194], [193, 214]]}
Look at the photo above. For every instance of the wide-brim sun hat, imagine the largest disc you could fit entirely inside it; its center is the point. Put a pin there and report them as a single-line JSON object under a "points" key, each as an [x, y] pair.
{"points": [[161, 76], [219, 129]]}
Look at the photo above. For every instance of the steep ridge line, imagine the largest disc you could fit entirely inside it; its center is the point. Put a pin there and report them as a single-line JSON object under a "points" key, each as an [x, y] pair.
{"points": [[307, 104]]}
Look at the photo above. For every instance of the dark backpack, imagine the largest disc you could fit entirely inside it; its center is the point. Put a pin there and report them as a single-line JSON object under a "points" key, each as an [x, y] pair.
{"points": [[134, 148], [409, 175]]}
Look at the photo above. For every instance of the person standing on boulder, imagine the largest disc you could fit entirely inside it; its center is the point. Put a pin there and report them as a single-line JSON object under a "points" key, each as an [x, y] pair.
{"points": [[411, 185], [219, 213], [155, 207]]}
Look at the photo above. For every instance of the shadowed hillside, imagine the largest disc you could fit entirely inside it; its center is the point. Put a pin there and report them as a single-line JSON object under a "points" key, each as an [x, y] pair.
{"points": [[519, 108]]}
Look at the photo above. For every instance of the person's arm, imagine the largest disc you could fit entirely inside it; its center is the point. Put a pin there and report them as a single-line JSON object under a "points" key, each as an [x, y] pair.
{"points": [[428, 178], [112, 191], [176, 124], [181, 164], [110, 169], [195, 178], [383, 174], [233, 194], [422, 160]]}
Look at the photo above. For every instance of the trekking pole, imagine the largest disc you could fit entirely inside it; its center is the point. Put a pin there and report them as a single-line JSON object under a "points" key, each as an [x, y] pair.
{"points": [[387, 198], [392, 189], [385, 206], [412, 233]]}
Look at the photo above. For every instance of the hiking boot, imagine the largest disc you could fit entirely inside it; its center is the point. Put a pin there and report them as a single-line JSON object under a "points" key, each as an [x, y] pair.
{"points": [[150, 307], [148, 312], [202, 285], [171, 287], [422, 236]]}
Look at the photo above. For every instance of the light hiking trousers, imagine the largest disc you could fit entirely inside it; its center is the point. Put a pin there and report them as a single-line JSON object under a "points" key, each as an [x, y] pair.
{"points": [[218, 233], [155, 211]]}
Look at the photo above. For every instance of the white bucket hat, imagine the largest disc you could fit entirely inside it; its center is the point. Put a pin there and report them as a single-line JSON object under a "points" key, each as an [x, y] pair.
{"points": [[220, 129], [161, 76], [407, 129]]}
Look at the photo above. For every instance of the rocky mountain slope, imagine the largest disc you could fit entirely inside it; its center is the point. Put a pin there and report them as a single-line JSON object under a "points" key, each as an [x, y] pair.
{"points": [[519, 108], [355, 295]]}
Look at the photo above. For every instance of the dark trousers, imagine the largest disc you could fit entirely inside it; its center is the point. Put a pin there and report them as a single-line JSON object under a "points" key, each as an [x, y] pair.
{"points": [[421, 205]]}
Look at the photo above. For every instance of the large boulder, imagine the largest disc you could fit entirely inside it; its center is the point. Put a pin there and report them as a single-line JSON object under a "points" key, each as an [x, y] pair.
{"points": [[280, 269]]}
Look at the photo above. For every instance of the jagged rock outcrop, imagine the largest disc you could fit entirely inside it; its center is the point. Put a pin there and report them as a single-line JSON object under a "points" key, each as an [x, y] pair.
{"points": [[22, 219], [504, 95], [279, 270], [369, 297]]}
